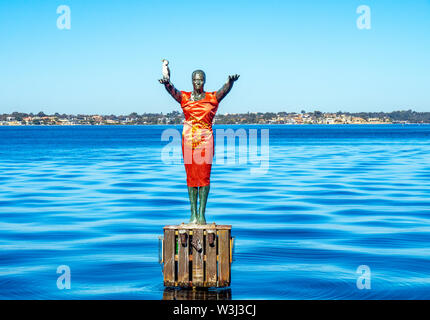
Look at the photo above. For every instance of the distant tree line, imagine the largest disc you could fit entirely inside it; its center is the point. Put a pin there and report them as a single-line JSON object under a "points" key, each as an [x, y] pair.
{"points": [[407, 116], [176, 117]]}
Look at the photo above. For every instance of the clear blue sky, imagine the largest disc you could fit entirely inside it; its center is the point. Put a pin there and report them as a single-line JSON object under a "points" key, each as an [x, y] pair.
{"points": [[291, 55]]}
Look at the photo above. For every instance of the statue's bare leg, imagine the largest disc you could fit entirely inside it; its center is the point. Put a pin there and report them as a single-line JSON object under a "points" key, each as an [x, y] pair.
{"points": [[192, 193], [203, 195]]}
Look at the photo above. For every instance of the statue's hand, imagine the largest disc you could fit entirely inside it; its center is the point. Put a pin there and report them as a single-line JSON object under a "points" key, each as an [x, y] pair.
{"points": [[164, 81], [233, 78]]}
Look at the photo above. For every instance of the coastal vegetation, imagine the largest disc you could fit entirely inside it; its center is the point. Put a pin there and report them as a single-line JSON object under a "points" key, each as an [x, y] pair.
{"points": [[175, 117]]}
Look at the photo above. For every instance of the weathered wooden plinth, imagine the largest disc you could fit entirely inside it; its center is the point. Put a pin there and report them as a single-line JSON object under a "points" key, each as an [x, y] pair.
{"points": [[197, 255]]}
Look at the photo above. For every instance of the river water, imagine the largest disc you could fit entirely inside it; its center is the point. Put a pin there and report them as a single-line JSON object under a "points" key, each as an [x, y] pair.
{"points": [[331, 198]]}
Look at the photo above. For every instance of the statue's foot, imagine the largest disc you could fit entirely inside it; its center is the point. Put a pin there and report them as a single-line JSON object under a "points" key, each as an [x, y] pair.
{"points": [[193, 219], [201, 219]]}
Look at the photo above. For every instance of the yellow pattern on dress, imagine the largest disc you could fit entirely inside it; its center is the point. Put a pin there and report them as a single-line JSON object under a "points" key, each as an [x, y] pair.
{"points": [[196, 132]]}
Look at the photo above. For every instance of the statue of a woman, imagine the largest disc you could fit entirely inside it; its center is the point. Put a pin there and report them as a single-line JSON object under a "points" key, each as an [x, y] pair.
{"points": [[199, 108]]}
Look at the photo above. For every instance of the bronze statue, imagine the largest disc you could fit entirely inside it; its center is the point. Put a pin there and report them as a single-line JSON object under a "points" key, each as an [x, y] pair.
{"points": [[199, 108]]}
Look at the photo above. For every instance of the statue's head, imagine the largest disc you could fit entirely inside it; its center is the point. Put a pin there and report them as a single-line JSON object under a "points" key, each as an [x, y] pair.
{"points": [[198, 78]]}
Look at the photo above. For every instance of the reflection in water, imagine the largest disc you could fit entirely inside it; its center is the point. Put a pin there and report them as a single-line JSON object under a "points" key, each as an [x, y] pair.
{"points": [[196, 294]]}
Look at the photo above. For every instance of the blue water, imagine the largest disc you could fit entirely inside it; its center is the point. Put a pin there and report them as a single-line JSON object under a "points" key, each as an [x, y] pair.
{"points": [[95, 198]]}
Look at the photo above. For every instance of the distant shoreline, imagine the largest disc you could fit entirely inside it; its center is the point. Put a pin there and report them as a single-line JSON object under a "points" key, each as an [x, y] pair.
{"points": [[249, 118]]}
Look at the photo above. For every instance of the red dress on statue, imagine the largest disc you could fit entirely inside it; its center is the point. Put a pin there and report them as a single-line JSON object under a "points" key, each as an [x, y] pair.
{"points": [[197, 137]]}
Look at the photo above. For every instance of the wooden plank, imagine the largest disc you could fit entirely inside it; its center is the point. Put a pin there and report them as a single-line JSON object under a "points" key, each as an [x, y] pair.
{"points": [[183, 260], [211, 261], [223, 258], [169, 257], [198, 258]]}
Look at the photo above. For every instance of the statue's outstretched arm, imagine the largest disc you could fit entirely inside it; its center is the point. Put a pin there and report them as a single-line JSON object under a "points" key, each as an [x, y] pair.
{"points": [[221, 93], [175, 93]]}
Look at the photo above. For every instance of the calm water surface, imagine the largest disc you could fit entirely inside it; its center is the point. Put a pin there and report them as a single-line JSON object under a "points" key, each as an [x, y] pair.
{"points": [[95, 198]]}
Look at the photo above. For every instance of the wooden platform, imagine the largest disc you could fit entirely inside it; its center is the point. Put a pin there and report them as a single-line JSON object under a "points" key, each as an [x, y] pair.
{"points": [[197, 255]]}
